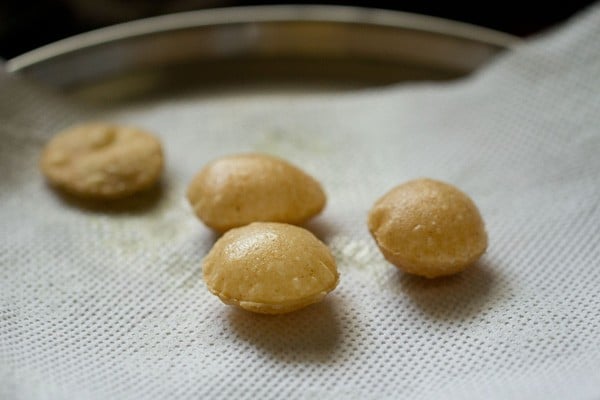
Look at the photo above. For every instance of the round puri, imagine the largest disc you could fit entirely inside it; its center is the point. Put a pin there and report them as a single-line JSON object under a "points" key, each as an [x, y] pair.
{"points": [[428, 228], [270, 268], [237, 190], [102, 160]]}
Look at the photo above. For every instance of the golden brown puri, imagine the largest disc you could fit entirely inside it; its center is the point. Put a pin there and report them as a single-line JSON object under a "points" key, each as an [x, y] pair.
{"points": [[428, 228], [270, 268], [237, 190], [102, 160]]}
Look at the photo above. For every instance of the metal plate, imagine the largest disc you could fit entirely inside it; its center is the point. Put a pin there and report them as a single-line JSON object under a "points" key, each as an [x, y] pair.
{"points": [[314, 46]]}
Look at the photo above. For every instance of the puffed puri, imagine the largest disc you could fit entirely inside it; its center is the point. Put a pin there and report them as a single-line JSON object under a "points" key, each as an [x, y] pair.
{"points": [[236, 190], [428, 228], [270, 268]]}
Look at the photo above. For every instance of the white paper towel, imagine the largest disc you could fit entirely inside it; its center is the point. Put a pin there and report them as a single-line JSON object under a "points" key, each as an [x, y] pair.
{"points": [[110, 304]]}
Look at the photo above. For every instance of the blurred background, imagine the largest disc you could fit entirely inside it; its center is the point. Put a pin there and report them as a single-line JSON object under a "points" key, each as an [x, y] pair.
{"points": [[26, 25]]}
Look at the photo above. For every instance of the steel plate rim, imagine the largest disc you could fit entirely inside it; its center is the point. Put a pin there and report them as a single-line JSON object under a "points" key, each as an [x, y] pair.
{"points": [[262, 14]]}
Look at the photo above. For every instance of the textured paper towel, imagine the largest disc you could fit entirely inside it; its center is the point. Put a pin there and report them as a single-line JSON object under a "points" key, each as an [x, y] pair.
{"points": [[97, 305]]}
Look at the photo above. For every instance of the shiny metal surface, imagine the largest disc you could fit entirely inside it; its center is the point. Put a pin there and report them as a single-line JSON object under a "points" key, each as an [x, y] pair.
{"points": [[301, 42]]}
